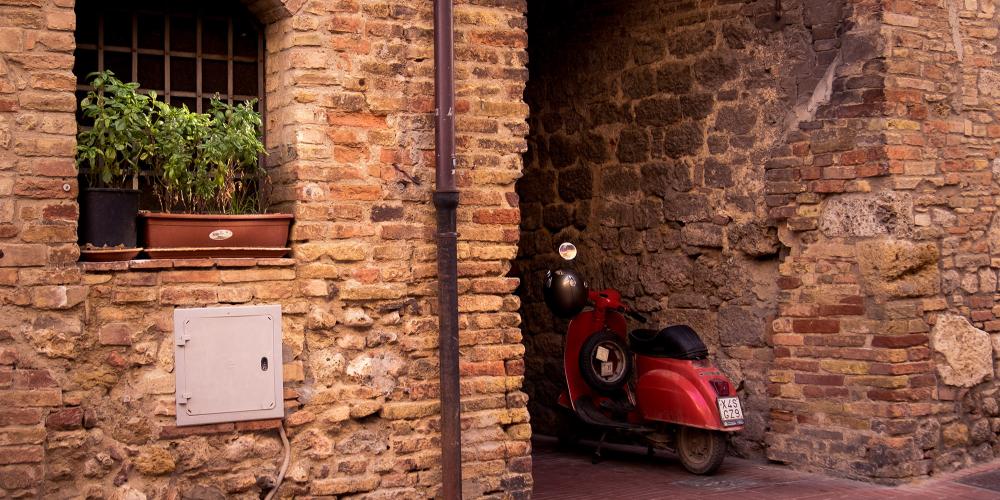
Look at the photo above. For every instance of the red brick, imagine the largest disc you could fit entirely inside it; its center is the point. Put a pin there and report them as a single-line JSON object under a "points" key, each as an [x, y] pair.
{"points": [[981, 315], [514, 367], [487, 368], [16, 477], [827, 186], [802, 365], [258, 425], [789, 282], [25, 454], [33, 379], [822, 392], [835, 340], [190, 276], [922, 394], [36, 397], [362, 120], [20, 416], [918, 353], [901, 368], [136, 279], [812, 379], [173, 432], [816, 326], [802, 223], [22, 435], [65, 419], [902, 153], [839, 173], [115, 359], [841, 310], [497, 216], [923, 380], [115, 334], [898, 341], [8, 356]]}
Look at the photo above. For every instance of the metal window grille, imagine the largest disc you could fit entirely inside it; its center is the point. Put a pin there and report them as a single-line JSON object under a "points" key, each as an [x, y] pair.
{"points": [[187, 52]]}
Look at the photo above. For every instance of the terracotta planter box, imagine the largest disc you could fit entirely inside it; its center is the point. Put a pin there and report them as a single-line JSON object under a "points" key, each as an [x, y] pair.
{"points": [[200, 236]]}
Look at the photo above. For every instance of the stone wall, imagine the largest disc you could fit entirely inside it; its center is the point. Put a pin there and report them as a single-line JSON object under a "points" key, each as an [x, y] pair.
{"points": [[655, 129], [85, 356]]}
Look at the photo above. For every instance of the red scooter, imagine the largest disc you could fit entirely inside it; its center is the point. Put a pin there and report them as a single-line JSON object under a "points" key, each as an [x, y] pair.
{"points": [[657, 387]]}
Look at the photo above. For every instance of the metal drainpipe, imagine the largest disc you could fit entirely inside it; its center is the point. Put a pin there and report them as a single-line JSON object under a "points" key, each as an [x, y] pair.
{"points": [[446, 203]]}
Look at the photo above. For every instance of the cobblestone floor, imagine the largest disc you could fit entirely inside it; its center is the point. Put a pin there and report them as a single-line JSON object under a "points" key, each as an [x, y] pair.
{"points": [[627, 473]]}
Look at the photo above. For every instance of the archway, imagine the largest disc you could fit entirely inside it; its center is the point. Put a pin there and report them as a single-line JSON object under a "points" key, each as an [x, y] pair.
{"points": [[651, 124]]}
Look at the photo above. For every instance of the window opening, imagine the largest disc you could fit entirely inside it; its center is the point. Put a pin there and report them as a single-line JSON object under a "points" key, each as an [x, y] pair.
{"points": [[187, 52]]}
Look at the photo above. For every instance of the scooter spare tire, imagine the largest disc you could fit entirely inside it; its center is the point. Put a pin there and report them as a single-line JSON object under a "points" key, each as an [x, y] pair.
{"points": [[605, 362]]}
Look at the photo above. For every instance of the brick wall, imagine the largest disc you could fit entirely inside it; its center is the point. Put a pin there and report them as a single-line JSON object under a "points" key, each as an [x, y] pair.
{"points": [[882, 368], [943, 140], [813, 191], [85, 355], [657, 132]]}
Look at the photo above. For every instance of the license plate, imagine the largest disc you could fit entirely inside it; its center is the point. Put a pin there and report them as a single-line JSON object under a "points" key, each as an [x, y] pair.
{"points": [[730, 411]]}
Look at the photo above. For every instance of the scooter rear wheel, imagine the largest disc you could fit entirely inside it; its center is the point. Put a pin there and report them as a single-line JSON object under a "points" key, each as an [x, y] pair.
{"points": [[701, 451]]}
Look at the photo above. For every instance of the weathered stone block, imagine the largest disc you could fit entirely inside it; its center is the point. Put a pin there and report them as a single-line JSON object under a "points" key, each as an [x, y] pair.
{"points": [[966, 351], [753, 239], [956, 434], [702, 234], [575, 184], [684, 139], [633, 146], [658, 111], [689, 42], [155, 460], [742, 326], [115, 334], [343, 485], [674, 78], [663, 179], [736, 120], [883, 213], [896, 268], [686, 207]]}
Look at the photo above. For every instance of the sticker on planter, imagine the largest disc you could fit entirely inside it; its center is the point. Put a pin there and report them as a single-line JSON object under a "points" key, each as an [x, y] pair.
{"points": [[220, 234]]}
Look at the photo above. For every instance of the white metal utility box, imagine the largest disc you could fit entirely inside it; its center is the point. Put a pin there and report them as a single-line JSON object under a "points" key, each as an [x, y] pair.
{"points": [[227, 363]]}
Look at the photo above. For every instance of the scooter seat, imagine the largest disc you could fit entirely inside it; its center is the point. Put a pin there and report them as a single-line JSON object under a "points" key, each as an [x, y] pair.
{"points": [[677, 342]]}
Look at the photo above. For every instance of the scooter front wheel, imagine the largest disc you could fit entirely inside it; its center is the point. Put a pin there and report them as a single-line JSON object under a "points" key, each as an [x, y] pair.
{"points": [[570, 429], [701, 451]]}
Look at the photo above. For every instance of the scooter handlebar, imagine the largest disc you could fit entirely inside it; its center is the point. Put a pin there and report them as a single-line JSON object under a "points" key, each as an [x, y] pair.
{"points": [[636, 316]]}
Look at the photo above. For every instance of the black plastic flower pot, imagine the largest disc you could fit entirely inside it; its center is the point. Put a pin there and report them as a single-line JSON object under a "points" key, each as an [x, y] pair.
{"points": [[107, 217]]}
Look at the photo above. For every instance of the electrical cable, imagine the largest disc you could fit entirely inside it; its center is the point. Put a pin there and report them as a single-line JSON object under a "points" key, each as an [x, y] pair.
{"points": [[284, 464]]}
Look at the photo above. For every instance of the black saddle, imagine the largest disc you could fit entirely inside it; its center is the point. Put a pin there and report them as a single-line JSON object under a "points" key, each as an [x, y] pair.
{"points": [[677, 342]]}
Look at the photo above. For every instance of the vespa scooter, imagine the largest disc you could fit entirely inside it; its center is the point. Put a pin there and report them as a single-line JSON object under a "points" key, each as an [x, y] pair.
{"points": [[657, 387]]}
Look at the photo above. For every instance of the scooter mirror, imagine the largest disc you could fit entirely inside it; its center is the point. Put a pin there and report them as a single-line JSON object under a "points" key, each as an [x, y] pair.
{"points": [[567, 251]]}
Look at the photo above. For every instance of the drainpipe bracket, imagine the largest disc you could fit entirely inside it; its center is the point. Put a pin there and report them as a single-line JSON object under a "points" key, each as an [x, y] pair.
{"points": [[445, 200]]}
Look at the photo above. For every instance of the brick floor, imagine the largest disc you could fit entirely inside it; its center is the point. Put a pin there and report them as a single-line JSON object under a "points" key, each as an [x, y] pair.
{"points": [[627, 473]]}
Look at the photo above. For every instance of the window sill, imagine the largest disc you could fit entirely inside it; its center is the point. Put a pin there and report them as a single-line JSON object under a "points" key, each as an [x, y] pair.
{"points": [[155, 264]]}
